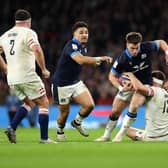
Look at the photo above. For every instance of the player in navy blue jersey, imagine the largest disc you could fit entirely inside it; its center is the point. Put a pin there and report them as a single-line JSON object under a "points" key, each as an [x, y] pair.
{"points": [[67, 84], [136, 59]]}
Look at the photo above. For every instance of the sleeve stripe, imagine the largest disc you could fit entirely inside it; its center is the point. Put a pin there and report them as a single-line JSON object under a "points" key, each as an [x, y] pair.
{"points": [[74, 53], [30, 41]]}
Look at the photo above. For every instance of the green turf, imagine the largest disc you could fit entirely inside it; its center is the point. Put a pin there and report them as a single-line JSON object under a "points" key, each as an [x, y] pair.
{"points": [[79, 152]]}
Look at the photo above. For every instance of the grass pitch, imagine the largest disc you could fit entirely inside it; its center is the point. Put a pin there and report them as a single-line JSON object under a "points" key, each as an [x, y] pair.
{"points": [[79, 152]]}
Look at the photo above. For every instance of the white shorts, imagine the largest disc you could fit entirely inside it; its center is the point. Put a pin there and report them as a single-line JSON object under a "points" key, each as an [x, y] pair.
{"points": [[125, 96], [66, 93], [32, 90], [143, 136]]}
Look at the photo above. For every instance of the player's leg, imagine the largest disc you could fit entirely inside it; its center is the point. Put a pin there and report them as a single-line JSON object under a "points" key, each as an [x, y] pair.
{"points": [[87, 104], [62, 97], [137, 100], [117, 107], [20, 114], [43, 104], [61, 121], [36, 92]]}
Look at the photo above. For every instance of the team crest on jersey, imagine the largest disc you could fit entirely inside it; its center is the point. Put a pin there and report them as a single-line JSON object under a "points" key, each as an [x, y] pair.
{"points": [[143, 56], [74, 46]]}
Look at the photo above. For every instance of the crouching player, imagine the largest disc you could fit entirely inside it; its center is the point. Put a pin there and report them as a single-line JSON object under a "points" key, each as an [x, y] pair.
{"points": [[156, 128]]}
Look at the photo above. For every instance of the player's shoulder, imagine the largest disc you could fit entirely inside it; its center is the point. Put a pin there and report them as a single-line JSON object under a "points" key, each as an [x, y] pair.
{"points": [[72, 45], [122, 58], [147, 44]]}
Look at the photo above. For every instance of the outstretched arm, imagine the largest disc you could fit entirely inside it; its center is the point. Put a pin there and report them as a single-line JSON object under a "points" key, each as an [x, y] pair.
{"points": [[80, 59], [163, 45]]}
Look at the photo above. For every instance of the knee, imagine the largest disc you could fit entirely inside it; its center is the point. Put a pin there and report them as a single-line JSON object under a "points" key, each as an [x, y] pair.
{"points": [[134, 107]]}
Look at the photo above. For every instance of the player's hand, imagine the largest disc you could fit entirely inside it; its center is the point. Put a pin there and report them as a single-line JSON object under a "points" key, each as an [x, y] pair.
{"points": [[127, 86], [46, 73], [107, 59]]}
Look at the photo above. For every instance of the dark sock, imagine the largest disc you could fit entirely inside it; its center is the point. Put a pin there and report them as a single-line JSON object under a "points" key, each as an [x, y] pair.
{"points": [[20, 114], [113, 117], [43, 121]]}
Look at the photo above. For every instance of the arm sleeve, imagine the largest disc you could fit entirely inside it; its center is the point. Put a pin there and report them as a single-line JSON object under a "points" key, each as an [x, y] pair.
{"points": [[32, 39]]}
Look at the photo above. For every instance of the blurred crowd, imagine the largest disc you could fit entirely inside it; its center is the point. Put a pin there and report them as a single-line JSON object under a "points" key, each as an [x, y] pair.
{"points": [[109, 21]]}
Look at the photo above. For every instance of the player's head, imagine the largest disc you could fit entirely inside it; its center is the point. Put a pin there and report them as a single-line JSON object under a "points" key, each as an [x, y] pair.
{"points": [[158, 78], [133, 41], [23, 17], [80, 31]]}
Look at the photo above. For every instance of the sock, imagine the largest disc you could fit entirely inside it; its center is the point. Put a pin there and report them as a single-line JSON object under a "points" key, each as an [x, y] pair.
{"points": [[20, 114], [79, 119], [111, 124], [43, 121], [128, 120], [60, 129]]}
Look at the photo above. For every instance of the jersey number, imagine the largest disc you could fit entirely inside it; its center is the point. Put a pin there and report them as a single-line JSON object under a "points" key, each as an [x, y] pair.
{"points": [[165, 109], [12, 43]]}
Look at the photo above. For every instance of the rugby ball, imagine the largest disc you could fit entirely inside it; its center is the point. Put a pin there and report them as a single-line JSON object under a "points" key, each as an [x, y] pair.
{"points": [[124, 80]]}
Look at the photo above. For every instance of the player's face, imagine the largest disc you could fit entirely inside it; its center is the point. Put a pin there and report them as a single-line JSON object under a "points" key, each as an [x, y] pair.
{"points": [[81, 34], [133, 49]]}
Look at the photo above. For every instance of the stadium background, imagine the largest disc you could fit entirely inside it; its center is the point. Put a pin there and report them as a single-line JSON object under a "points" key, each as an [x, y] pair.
{"points": [[108, 21]]}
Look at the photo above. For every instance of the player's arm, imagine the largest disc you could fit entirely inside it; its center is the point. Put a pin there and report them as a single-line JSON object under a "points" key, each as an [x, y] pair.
{"points": [[80, 59], [138, 85], [163, 45], [3, 65], [113, 78], [40, 60]]}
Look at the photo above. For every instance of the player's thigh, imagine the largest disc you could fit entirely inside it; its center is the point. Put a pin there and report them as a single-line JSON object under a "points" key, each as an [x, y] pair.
{"points": [[137, 100], [84, 98], [18, 91], [119, 105], [34, 89], [82, 95]]}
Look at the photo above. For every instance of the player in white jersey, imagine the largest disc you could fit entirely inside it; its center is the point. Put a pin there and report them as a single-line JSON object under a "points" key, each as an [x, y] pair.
{"points": [[156, 128], [21, 48]]}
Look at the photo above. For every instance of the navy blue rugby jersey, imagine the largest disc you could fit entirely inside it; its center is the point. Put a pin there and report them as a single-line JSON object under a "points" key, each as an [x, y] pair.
{"points": [[141, 65], [67, 70]]}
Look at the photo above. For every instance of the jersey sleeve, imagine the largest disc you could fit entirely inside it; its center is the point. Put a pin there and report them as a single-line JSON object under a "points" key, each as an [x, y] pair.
{"points": [[32, 39], [73, 49], [153, 45], [117, 67]]}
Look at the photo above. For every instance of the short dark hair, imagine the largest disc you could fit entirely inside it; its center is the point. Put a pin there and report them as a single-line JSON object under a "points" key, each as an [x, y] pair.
{"points": [[159, 75], [79, 24], [22, 15], [133, 37]]}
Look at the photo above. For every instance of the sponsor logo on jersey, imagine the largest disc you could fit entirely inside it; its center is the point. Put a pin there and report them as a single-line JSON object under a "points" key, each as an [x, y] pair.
{"points": [[140, 67]]}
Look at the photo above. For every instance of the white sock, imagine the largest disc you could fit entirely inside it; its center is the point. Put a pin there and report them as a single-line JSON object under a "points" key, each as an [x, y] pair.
{"points": [[109, 128], [125, 125], [78, 119], [60, 129]]}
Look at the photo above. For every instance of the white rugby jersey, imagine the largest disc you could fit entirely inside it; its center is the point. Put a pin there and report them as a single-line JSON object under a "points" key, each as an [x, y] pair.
{"points": [[157, 113], [17, 45]]}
